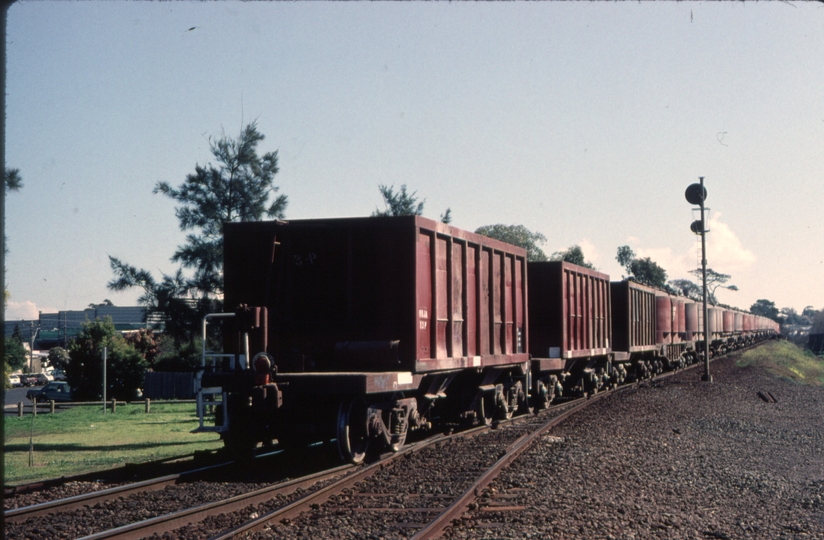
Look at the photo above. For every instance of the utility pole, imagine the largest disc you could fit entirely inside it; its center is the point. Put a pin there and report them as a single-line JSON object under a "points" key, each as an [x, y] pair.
{"points": [[697, 194]]}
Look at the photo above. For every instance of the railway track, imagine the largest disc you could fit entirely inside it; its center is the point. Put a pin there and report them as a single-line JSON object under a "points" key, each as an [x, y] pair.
{"points": [[275, 503], [408, 492]]}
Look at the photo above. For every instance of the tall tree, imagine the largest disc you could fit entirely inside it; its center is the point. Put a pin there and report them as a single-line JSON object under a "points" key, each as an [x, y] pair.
{"points": [[517, 235], [12, 181], [765, 308], [648, 272], [404, 203], [687, 288], [401, 203], [714, 281], [238, 188], [644, 270], [625, 257], [574, 255], [15, 354]]}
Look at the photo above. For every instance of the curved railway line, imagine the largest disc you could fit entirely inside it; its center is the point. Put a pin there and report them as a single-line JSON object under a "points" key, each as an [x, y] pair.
{"points": [[418, 490]]}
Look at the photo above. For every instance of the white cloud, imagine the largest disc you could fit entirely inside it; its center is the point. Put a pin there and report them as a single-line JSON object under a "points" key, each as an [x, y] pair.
{"points": [[25, 310], [725, 253], [590, 251]]}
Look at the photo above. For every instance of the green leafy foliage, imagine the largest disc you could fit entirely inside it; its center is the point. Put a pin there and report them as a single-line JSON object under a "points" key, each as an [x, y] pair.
{"points": [[765, 308], [687, 288], [714, 281], [7, 370], [644, 270], [125, 366], [236, 189], [404, 203], [401, 203], [15, 356], [239, 187], [517, 235], [625, 257], [574, 255], [178, 357], [58, 358], [13, 180]]}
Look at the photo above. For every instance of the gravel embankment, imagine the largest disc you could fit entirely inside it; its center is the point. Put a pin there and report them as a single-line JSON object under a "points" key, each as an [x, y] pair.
{"points": [[676, 458]]}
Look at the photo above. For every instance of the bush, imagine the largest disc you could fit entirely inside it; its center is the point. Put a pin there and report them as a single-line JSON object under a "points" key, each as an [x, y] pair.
{"points": [[16, 356], [125, 366]]}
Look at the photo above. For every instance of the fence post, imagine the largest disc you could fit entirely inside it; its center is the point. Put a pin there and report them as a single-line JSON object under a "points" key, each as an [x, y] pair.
{"points": [[148, 405], [51, 402], [20, 409], [114, 405], [34, 407]]}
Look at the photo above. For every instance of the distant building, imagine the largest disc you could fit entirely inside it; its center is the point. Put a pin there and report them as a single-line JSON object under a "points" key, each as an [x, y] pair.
{"points": [[57, 329]]}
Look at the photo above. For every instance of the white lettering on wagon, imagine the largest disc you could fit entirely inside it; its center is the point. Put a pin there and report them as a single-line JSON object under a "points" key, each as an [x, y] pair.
{"points": [[405, 378], [381, 382], [423, 315]]}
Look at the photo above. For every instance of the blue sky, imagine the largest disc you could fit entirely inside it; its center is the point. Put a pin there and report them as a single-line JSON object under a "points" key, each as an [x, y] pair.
{"points": [[584, 121]]}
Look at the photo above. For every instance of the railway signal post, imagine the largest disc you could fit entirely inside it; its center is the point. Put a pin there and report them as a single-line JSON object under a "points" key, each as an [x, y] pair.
{"points": [[697, 194]]}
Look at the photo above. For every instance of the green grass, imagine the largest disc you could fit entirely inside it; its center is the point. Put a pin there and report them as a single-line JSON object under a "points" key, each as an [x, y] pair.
{"points": [[83, 439], [784, 359]]}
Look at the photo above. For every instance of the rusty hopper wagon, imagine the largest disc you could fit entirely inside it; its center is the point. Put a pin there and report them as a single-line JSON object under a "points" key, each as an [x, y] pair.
{"points": [[570, 330], [363, 329]]}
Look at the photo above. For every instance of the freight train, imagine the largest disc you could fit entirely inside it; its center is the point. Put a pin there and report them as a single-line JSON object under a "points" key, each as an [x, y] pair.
{"points": [[364, 330]]}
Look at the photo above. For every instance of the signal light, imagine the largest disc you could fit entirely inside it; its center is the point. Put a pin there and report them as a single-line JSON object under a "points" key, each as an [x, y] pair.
{"points": [[696, 194]]}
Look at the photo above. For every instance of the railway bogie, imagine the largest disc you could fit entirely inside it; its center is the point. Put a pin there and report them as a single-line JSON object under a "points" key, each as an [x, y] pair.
{"points": [[363, 331]]}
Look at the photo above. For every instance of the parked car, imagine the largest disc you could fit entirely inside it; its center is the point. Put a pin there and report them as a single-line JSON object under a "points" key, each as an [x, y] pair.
{"points": [[15, 380], [57, 391], [39, 379], [59, 375]]}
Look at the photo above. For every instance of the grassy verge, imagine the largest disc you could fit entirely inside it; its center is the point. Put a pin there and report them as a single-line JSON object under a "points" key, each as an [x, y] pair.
{"points": [[83, 439], [784, 359]]}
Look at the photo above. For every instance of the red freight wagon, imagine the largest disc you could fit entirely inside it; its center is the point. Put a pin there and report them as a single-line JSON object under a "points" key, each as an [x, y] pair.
{"points": [[360, 329], [633, 317], [375, 294], [569, 328], [569, 311]]}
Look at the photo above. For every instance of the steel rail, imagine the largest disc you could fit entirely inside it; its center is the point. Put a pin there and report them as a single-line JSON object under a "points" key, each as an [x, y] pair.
{"points": [[182, 518], [299, 506], [435, 528], [16, 515], [457, 508]]}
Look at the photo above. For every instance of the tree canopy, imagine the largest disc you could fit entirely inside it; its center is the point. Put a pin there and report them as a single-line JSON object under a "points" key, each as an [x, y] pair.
{"points": [[574, 254], [58, 358], [687, 288], [765, 308], [714, 281], [125, 366], [404, 203], [13, 180], [644, 270], [517, 235], [15, 354], [238, 188]]}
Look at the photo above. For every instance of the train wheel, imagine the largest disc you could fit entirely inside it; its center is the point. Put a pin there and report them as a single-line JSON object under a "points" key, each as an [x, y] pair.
{"points": [[353, 430]]}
